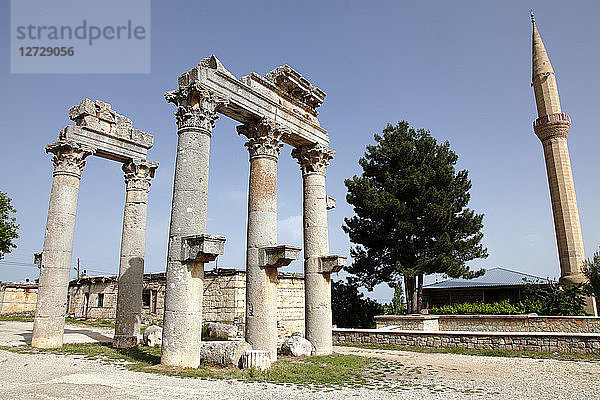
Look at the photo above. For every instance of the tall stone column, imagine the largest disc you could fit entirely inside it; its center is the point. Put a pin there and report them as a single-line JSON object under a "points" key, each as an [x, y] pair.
{"points": [[196, 113], [318, 265], [138, 174], [261, 281], [69, 159]]}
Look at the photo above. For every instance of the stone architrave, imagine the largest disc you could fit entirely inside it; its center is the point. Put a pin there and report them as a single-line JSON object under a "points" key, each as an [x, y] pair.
{"points": [[138, 174], [196, 113], [318, 264], [264, 144], [69, 160]]}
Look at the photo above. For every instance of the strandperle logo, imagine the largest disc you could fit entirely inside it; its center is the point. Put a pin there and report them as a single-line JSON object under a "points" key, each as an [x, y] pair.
{"points": [[84, 31], [79, 36]]}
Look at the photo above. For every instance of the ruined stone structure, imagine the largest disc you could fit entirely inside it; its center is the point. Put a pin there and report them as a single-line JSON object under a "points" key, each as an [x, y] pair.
{"points": [[552, 127], [275, 109], [99, 131], [224, 299], [17, 297]]}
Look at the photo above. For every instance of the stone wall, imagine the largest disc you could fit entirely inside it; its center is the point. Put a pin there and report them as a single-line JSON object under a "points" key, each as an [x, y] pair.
{"points": [[585, 343], [224, 299], [17, 297], [492, 323]]}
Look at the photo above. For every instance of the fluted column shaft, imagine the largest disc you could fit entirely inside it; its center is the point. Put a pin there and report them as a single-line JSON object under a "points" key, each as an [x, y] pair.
{"points": [[182, 326], [69, 160], [261, 281], [138, 174], [317, 284]]}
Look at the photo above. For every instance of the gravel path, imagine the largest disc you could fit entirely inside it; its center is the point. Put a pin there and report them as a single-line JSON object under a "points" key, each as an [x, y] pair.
{"points": [[393, 375]]}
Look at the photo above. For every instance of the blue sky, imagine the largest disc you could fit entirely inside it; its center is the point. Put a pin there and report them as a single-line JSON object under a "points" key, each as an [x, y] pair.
{"points": [[460, 69]]}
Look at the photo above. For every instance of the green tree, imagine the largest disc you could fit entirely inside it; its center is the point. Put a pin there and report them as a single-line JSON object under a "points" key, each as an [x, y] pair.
{"points": [[8, 225], [350, 308], [411, 213], [397, 305], [591, 270]]}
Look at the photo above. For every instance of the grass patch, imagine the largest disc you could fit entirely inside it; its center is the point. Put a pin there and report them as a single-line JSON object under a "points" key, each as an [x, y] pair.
{"points": [[319, 371], [101, 323], [488, 353]]}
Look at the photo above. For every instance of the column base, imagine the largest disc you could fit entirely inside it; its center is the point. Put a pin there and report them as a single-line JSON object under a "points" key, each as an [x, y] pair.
{"points": [[125, 342]]}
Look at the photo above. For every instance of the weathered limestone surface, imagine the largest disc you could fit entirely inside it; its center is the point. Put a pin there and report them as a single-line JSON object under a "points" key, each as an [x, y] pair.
{"points": [[69, 159], [313, 161], [261, 274], [297, 346], [133, 247], [259, 359], [223, 353], [282, 96], [153, 336], [183, 299]]}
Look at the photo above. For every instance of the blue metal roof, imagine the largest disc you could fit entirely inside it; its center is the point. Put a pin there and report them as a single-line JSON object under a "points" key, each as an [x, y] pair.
{"points": [[492, 277]]}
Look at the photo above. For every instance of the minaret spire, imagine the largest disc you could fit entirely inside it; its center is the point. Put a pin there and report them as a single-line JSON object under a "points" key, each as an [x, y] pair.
{"points": [[552, 127]]}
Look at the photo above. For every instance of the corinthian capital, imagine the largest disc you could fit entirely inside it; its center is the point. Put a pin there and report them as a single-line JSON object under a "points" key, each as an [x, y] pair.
{"points": [[264, 138], [69, 157], [139, 173], [313, 158], [196, 106]]}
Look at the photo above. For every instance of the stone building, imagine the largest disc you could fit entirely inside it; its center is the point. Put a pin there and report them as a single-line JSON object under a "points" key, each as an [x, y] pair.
{"points": [[17, 297], [224, 298]]}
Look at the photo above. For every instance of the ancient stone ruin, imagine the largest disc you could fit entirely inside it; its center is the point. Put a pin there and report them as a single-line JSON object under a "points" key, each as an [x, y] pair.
{"points": [[274, 110], [277, 109], [99, 131]]}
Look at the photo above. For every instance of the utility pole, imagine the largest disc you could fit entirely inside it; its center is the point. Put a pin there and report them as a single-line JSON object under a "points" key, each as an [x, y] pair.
{"points": [[77, 268]]}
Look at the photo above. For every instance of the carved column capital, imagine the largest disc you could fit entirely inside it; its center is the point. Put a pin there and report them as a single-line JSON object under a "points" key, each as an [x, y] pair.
{"points": [[264, 138], [196, 107], [313, 158], [69, 157], [139, 173]]}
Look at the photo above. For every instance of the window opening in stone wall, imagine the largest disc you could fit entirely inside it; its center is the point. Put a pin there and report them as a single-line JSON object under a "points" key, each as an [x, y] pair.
{"points": [[146, 299], [100, 299]]}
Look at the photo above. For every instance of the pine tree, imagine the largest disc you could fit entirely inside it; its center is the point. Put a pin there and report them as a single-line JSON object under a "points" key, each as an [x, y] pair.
{"points": [[411, 213]]}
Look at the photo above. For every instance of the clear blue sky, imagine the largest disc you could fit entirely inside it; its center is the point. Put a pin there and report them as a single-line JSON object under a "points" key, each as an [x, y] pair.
{"points": [[460, 69]]}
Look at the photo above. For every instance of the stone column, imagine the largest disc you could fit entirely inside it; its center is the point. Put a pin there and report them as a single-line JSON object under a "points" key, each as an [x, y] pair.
{"points": [[318, 265], [69, 159], [138, 174], [196, 113], [261, 281]]}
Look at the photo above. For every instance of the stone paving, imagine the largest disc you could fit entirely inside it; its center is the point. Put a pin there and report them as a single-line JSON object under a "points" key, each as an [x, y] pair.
{"points": [[392, 375]]}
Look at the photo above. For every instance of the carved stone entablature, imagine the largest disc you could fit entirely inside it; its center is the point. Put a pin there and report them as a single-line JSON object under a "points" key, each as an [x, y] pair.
{"points": [[332, 263], [69, 157], [286, 79], [278, 256], [196, 106], [313, 158], [553, 125], [98, 116], [202, 248], [264, 138], [139, 173]]}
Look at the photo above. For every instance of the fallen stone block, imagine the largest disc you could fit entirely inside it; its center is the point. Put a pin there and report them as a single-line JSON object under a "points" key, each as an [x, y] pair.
{"points": [[259, 359], [218, 331], [223, 353], [153, 336], [297, 346]]}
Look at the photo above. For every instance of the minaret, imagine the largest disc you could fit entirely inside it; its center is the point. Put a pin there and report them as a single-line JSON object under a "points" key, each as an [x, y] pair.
{"points": [[552, 127]]}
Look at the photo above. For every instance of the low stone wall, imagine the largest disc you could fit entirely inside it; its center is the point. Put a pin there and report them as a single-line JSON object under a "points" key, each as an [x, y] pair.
{"points": [[491, 323], [583, 343]]}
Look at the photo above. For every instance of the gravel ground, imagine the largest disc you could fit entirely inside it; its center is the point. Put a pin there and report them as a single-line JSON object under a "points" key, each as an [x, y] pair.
{"points": [[393, 375]]}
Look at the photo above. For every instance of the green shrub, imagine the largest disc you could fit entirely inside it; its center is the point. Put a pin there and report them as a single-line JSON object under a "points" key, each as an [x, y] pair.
{"points": [[502, 307]]}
